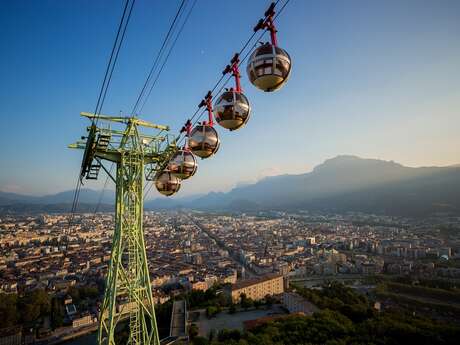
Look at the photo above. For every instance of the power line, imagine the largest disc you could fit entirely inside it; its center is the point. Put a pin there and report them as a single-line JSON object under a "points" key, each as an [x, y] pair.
{"points": [[121, 30], [157, 58], [113, 56], [116, 57], [167, 56]]}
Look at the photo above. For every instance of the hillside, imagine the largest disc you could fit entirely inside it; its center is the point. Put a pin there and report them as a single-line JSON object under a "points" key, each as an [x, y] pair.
{"points": [[340, 184], [348, 183]]}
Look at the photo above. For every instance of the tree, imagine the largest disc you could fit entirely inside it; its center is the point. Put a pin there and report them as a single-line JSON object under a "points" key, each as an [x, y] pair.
{"points": [[269, 300], [57, 313], [211, 335], [228, 334], [246, 302], [193, 331], [9, 315], [232, 309], [258, 304], [212, 311], [34, 305], [200, 341]]}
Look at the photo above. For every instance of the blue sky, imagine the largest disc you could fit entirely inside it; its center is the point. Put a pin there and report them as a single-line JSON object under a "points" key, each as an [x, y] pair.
{"points": [[377, 79]]}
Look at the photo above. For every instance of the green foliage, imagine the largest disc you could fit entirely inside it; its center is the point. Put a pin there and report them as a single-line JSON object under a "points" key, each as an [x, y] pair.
{"points": [[225, 335], [435, 283], [346, 319], [57, 313], [34, 305], [202, 299], [337, 296], [193, 331], [246, 302], [163, 317], [212, 311], [269, 300], [411, 303], [258, 304], [421, 291], [232, 309], [200, 341], [81, 294], [9, 315]]}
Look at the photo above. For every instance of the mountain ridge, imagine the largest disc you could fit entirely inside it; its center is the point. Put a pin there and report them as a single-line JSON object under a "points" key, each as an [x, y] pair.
{"points": [[342, 183]]}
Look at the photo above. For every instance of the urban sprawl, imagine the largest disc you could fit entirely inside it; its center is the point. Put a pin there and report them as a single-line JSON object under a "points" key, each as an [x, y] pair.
{"points": [[258, 254]]}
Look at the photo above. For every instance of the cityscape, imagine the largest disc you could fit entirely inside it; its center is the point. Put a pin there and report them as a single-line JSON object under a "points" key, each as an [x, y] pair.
{"points": [[196, 172], [190, 251]]}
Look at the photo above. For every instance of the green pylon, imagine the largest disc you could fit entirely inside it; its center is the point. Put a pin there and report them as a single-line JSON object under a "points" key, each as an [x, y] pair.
{"points": [[128, 293]]}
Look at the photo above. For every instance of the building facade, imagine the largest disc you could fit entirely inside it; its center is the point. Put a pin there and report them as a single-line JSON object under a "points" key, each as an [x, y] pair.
{"points": [[257, 289]]}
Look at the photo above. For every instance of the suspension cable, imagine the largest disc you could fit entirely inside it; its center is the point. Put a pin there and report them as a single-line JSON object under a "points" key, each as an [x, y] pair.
{"points": [[121, 30], [157, 58]]}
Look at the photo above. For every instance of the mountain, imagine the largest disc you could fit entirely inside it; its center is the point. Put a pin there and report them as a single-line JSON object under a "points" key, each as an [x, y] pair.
{"points": [[349, 183], [88, 196], [340, 184], [60, 202]]}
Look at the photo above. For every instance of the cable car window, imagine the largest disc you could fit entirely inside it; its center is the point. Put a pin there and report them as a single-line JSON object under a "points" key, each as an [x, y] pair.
{"points": [[265, 49], [280, 51], [227, 96], [280, 69]]}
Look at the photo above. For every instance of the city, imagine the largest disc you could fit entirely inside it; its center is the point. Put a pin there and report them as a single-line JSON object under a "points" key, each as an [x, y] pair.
{"points": [[189, 251]]}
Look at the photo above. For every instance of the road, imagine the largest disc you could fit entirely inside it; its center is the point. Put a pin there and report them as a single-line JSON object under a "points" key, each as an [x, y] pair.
{"points": [[250, 273]]}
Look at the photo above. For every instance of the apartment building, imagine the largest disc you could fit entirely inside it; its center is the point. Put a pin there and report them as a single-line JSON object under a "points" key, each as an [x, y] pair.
{"points": [[258, 288]]}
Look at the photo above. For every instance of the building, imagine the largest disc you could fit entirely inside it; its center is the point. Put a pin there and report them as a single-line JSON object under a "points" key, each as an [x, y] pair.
{"points": [[295, 303], [82, 321], [258, 288]]}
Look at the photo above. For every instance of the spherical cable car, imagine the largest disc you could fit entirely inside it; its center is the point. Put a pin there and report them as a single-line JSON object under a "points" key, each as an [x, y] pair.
{"points": [[167, 184], [232, 109], [183, 163], [204, 140], [269, 66]]}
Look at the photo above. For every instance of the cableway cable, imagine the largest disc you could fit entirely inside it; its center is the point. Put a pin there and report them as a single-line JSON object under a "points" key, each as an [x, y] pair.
{"points": [[121, 30], [157, 58]]}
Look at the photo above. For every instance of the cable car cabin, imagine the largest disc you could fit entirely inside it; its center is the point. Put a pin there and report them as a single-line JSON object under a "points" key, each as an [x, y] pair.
{"points": [[204, 141], [183, 164], [167, 184], [269, 67], [232, 110]]}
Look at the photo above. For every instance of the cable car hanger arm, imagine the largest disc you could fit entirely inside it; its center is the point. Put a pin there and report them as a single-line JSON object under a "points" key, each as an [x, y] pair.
{"points": [[124, 119]]}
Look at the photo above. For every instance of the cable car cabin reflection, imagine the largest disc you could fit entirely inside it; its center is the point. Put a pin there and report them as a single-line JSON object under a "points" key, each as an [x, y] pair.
{"points": [[204, 141], [232, 110], [269, 67], [167, 184], [183, 164]]}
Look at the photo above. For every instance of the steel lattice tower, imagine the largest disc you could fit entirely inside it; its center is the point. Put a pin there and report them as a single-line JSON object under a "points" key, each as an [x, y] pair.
{"points": [[128, 293]]}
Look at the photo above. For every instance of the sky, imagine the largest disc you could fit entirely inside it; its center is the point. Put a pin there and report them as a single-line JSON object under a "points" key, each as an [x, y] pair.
{"points": [[376, 79]]}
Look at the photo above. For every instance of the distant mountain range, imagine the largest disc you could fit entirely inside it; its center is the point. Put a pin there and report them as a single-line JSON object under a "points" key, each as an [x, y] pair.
{"points": [[340, 184], [346, 183], [60, 202], [88, 196]]}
